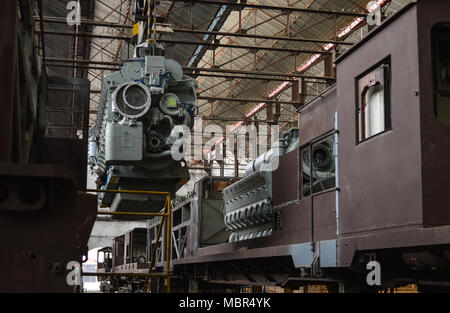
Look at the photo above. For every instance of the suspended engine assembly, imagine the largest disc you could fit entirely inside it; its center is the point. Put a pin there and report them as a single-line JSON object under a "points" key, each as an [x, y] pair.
{"points": [[129, 145]]}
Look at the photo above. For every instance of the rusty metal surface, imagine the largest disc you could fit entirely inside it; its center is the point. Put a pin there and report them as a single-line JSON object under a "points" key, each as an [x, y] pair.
{"points": [[435, 136], [67, 152], [44, 219], [41, 242], [380, 177], [35, 170], [63, 121], [8, 48]]}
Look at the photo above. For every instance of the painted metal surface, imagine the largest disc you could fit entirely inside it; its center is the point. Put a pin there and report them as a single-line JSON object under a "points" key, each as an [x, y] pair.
{"points": [[435, 135], [317, 117], [394, 184], [140, 106], [379, 178]]}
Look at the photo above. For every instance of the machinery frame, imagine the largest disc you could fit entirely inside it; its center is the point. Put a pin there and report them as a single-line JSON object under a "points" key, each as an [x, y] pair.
{"points": [[166, 215]]}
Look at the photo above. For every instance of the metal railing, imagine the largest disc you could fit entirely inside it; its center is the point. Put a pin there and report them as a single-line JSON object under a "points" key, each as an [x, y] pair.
{"points": [[166, 214]]}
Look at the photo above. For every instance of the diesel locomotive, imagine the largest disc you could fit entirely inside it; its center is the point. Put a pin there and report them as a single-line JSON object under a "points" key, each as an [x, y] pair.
{"points": [[361, 186]]}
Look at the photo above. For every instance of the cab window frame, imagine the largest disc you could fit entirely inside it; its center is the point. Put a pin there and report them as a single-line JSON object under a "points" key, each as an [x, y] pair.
{"points": [[376, 75]]}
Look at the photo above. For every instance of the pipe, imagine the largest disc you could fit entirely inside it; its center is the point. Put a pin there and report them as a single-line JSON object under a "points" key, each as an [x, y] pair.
{"points": [[170, 119], [187, 118], [41, 25], [336, 169]]}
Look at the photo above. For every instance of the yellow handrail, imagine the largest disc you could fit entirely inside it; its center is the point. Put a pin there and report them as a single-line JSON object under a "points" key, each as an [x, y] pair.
{"points": [[167, 213]]}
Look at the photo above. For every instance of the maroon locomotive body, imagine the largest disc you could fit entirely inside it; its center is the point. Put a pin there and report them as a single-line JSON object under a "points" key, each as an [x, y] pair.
{"points": [[388, 119]]}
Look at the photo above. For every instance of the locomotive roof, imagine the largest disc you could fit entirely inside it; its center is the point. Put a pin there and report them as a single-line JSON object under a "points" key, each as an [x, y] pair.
{"points": [[376, 30]]}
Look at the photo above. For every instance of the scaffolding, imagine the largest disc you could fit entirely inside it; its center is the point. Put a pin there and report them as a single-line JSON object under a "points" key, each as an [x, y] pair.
{"points": [[165, 215]]}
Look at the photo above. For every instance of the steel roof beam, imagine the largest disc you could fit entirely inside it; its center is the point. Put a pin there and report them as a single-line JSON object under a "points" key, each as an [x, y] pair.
{"points": [[246, 100], [195, 70], [48, 19], [187, 42], [221, 70], [286, 9], [246, 35], [229, 77], [213, 45]]}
